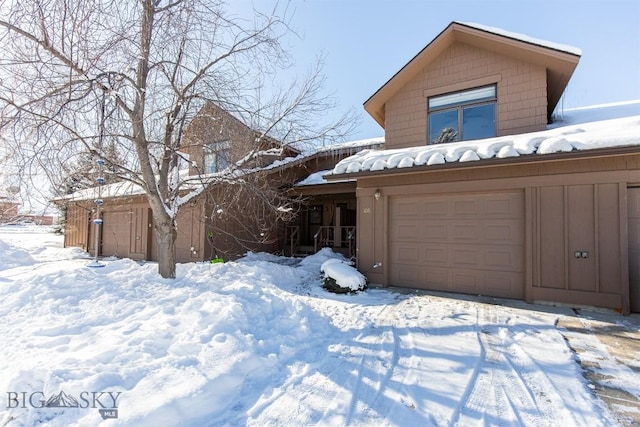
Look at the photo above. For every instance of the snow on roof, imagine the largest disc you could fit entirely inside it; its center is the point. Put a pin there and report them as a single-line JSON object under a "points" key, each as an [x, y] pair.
{"points": [[587, 136], [594, 113], [317, 178], [523, 37], [311, 149], [117, 189], [126, 188]]}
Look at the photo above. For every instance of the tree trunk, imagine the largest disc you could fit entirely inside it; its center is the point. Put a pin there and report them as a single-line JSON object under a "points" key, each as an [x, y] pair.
{"points": [[166, 238]]}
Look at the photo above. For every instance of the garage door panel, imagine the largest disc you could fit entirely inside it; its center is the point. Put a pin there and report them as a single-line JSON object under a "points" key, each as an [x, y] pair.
{"points": [[465, 231], [466, 281], [502, 283], [436, 256], [436, 231], [503, 231], [475, 245], [406, 252], [503, 258], [465, 208], [465, 257], [436, 279], [409, 276], [406, 209], [407, 231], [436, 208]]}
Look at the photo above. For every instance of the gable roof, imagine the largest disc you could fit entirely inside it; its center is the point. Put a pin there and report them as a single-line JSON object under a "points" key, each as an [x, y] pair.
{"points": [[559, 60], [212, 111]]}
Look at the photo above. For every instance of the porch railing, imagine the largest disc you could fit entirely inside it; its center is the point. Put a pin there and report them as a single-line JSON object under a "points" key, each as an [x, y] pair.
{"points": [[335, 237], [292, 238]]}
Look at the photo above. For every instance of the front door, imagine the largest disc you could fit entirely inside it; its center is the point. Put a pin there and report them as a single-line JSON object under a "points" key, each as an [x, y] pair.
{"points": [[314, 222]]}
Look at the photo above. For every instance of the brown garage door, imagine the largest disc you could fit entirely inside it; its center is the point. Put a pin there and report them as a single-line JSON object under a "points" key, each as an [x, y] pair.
{"points": [[115, 233], [469, 243]]}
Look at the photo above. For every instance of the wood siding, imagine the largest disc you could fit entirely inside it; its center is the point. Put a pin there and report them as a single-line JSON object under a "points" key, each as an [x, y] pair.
{"points": [[521, 92]]}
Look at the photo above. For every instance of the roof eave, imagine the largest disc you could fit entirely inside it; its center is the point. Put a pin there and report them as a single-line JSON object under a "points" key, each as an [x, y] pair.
{"points": [[494, 162]]}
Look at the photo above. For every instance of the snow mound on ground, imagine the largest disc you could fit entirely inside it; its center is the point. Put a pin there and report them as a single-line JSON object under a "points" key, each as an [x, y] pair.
{"points": [[315, 261], [344, 274], [13, 257]]}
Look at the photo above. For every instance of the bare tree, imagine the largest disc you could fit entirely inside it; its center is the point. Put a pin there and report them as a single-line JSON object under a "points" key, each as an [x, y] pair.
{"points": [[76, 73]]}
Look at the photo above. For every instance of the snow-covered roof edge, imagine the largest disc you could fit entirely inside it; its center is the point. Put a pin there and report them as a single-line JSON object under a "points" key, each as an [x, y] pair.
{"points": [[126, 188], [524, 38], [583, 137]]}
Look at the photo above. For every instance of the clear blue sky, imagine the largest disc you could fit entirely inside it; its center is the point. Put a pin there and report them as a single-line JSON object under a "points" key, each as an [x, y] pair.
{"points": [[365, 42]]}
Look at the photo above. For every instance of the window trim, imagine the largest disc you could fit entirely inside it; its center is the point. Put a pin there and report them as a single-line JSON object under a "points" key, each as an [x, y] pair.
{"points": [[459, 107]]}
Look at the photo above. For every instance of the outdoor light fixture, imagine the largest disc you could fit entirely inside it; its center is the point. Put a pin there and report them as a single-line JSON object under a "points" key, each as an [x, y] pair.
{"points": [[377, 194]]}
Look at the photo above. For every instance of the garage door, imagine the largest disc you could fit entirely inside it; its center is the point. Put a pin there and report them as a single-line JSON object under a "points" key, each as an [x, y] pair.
{"points": [[115, 233], [468, 243]]}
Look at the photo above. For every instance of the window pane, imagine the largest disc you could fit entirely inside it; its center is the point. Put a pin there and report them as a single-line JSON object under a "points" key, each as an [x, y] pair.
{"points": [[479, 122], [443, 126], [210, 163], [224, 160], [473, 95]]}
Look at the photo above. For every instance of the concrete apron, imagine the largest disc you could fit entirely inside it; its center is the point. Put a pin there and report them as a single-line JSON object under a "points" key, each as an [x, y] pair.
{"points": [[621, 337]]}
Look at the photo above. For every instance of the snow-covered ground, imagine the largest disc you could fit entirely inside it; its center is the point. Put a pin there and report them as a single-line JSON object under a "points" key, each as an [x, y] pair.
{"points": [[259, 342]]}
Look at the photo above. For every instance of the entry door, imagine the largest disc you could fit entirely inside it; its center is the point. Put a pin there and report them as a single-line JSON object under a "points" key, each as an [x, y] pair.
{"points": [[314, 222], [633, 203]]}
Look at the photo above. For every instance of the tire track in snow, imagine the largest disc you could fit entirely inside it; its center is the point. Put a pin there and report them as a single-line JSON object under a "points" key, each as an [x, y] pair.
{"points": [[377, 362], [498, 392]]}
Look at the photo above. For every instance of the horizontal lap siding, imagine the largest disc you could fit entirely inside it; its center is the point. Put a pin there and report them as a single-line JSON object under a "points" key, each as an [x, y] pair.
{"points": [[462, 243]]}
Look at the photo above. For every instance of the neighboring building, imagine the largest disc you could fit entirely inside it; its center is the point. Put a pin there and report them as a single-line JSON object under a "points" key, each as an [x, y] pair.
{"points": [[8, 210], [227, 220], [473, 195]]}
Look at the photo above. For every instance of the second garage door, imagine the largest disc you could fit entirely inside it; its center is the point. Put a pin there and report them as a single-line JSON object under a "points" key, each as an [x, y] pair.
{"points": [[468, 243], [115, 233]]}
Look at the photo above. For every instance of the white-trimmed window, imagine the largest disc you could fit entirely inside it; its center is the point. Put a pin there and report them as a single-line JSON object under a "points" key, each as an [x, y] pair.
{"points": [[217, 156], [462, 116]]}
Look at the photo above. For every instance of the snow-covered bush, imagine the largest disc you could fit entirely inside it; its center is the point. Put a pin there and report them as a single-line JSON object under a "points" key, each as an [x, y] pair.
{"points": [[341, 278]]}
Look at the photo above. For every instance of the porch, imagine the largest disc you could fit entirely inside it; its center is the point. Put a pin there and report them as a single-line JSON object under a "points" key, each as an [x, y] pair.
{"points": [[340, 239], [327, 221]]}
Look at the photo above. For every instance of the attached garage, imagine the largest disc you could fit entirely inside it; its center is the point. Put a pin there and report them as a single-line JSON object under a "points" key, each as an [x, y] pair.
{"points": [[471, 243], [560, 227]]}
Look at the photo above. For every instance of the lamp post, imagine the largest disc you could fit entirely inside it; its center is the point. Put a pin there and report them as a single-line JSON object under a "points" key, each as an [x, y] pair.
{"points": [[97, 221]]}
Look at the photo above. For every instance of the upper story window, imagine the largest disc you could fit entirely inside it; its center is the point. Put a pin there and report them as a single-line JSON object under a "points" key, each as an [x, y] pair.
{"points": [[461, 116], [217, 156]]}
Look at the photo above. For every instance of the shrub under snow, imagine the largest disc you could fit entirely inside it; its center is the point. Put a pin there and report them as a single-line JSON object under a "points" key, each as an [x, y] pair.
{"points": [[340, 277]]}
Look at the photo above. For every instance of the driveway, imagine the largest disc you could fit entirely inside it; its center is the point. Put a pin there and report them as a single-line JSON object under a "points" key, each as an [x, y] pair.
{"points": [[607, 345]]}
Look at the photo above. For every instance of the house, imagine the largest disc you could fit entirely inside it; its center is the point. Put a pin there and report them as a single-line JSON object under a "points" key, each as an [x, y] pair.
{"points": [[227, 220], [8, 209], [473, 194]]}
